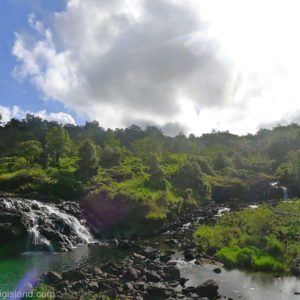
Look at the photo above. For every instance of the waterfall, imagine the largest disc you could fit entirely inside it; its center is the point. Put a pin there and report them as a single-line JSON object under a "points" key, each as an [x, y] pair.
{"points": [[48, 225], [285, 193], [37, 241], [82, 232]]}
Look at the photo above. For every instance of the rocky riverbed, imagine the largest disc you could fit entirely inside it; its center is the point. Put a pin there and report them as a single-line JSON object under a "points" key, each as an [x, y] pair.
{"points": [[146, 274]]}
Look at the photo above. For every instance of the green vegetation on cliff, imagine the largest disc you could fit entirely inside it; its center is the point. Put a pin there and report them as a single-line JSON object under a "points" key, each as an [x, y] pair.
{"points": [[152, 175]]}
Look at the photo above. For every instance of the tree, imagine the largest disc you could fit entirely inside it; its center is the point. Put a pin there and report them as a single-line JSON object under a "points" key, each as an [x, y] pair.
{"points": [[153, 164], [89, 158], [31, 150], [111, 156], [190, 176], [157, 178], [58, 143], [220, 162]]}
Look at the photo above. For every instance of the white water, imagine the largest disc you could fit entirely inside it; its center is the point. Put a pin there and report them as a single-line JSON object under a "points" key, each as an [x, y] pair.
{"points": [[285, 193], [35, 238], [221, 211], [81, 231], [254, 206], [283, 188]]}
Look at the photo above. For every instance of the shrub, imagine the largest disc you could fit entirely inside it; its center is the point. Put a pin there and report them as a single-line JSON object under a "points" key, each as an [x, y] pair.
{"points": [[268, 264], [33, 179], [262, 239]]}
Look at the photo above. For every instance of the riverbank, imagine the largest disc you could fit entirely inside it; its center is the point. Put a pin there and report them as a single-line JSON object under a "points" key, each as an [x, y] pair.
{"points": [[261, 239]]}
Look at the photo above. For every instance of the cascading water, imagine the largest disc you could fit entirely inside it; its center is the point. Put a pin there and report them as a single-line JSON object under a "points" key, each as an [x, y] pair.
{"points": [[48, 228], [285, 193]]}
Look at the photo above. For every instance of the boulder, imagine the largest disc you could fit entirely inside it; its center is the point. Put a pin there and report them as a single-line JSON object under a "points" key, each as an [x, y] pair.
{"points": [[152, 276], [157, 290], [208, 289], [131, 274], [165, 258], [189, 255], [217, 270], [52, 277], [73, 275], [124, 244], [171, 273], [150, 252]]}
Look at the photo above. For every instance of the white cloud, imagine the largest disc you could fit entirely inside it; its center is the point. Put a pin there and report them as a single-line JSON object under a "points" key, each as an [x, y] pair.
{"points": [[8, 113], [200, 64], [123, 61]]}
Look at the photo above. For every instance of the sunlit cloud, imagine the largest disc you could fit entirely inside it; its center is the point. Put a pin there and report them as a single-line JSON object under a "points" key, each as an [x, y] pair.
{"points": [[202, 64]]}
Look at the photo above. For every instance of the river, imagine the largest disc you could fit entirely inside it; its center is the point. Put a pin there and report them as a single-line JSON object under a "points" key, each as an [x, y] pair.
{"points": [[233, 283]]}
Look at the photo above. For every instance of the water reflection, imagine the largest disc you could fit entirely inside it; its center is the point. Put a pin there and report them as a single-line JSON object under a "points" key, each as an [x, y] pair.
{"points": [[243, 285], [13, 270]]}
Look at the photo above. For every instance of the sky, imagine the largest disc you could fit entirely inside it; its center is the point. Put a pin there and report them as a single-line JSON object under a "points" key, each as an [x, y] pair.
{"points": [[188, 66]]}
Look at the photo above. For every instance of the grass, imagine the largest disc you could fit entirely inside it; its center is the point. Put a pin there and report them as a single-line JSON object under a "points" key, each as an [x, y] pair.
{"points": [[262, 239]]}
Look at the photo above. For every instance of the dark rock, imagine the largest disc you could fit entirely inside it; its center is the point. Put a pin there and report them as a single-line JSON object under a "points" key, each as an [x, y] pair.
{"points": [[188, 290], [165, 258], [208, 289], [152, 276], [52, 277], [35, 206], [150, 252], [73, 275], [157, 290], [217, 270], [124, 244], [141, 285], [153, 266], [182, 281], [189, 255], [131, 274], [172, 273]]}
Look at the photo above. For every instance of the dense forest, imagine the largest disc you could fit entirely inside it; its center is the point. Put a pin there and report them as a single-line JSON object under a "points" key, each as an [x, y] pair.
{"points": [[141, 170]]}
